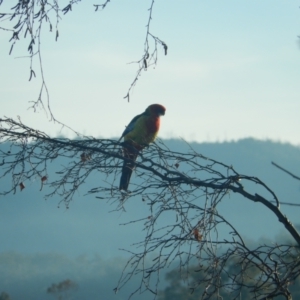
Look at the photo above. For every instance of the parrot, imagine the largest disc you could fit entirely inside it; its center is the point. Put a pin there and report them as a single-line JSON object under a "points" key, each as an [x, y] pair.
{"points": [[140, 132]]}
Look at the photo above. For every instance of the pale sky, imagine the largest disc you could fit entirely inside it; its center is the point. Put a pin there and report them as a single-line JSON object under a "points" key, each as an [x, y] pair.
{"points": [[232, 70]]}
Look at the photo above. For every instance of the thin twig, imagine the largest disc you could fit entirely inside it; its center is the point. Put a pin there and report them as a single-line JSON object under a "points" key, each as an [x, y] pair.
{"points": [[285, 170]]}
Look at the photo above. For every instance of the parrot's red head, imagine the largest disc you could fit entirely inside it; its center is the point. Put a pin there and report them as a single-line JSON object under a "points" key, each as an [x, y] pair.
{"points": [[156, 109]]}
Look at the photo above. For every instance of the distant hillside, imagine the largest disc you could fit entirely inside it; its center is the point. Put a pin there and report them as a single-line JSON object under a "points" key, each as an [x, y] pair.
{"points": [[254, 157], [243, 153], [30, 225]]}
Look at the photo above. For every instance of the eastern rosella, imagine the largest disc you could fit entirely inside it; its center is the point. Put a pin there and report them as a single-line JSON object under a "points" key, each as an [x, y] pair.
{"points": [[140, 132]]}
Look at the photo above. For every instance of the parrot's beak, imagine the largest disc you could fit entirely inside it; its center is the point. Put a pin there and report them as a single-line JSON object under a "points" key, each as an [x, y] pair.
{"points": [[162, 112]]}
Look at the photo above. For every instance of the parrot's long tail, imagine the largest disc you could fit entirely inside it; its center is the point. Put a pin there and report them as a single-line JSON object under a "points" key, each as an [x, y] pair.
{"points": [[128, 166]]}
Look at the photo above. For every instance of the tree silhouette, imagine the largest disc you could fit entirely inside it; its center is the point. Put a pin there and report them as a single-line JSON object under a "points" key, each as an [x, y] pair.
{"points": [[62, 289], [181, 287], [4, 296], [184, 188]]}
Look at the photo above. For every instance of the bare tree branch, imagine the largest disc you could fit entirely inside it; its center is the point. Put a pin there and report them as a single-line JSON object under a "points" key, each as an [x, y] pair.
{"points": [[102, 6], [184, 187], [285, 170], [27, 19], [150, 55]]}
